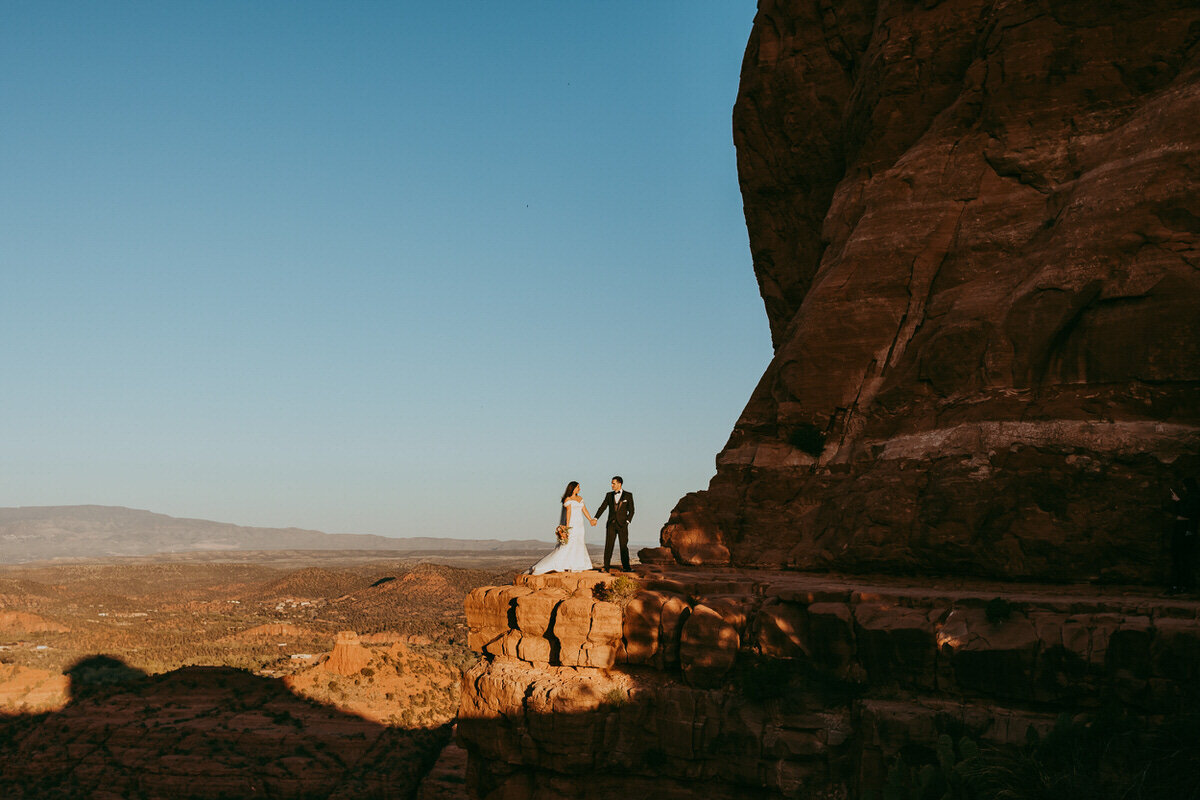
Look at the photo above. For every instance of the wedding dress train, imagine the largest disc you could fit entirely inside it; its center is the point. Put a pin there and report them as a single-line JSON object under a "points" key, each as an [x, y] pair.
{"points": [[571, 555]]}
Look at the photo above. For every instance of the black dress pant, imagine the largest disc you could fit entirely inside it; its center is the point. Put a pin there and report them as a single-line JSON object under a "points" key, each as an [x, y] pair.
{"points": [[612, 533]]}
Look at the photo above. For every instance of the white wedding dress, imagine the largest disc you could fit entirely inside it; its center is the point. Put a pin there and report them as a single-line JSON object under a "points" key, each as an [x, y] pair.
{"points": [[571, 555]]}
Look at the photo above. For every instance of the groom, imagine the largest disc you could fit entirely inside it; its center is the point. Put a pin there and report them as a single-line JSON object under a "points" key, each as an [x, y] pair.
{"points": [[620, 507]]}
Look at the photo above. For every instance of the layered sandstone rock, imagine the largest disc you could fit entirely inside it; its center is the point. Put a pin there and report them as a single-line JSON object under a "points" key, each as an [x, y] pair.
{"points": [[730, 684], [348, 656], [976, 231]]}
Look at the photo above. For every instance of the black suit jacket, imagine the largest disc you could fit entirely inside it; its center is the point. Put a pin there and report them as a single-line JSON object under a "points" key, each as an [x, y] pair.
{"points": [[620, 513]]}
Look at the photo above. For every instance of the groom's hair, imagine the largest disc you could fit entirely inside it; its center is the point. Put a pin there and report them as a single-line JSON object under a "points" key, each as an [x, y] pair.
{"points": [[617, 478]]}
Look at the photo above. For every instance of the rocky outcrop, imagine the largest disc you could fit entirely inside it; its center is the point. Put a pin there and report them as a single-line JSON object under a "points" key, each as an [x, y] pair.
{"points": [[348, 656], [391, 684], [976, 232], [734, 683], [277, 630]]}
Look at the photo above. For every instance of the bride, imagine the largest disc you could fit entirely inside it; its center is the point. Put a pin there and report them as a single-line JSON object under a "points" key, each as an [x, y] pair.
{"points": [[571, 555]]}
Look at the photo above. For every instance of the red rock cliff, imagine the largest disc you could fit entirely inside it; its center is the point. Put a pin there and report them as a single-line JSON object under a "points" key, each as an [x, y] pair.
{"points": [[976, 230], [729, 684]]}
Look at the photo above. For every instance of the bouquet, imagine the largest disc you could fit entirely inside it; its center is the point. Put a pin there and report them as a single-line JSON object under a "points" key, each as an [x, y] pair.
{"points": [[562, 533]]}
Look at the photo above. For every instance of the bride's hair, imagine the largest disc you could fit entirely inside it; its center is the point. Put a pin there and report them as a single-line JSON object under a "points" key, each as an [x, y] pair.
{"points": [[570, 489]]}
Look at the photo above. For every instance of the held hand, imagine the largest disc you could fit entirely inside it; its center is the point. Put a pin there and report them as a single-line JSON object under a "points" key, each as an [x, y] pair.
{"points": [[593, 523]]}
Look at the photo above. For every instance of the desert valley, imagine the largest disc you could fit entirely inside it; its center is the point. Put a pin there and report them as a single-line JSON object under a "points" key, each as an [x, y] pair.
{"points": [[219, 670], [163, 678]]}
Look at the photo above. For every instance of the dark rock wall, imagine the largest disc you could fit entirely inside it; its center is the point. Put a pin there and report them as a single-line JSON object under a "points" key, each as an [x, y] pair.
{"points": [[771, 684], [976, 230]]}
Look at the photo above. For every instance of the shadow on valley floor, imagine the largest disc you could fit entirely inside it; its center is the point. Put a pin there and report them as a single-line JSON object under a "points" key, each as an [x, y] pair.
{"points": [[204, 733]]}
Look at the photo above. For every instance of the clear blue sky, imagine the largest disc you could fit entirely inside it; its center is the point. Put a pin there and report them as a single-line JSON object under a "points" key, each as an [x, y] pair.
{"points": [[396, 268]]}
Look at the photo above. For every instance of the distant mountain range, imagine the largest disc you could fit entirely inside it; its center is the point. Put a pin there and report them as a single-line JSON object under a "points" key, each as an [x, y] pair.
{"points": [[36, 533]]}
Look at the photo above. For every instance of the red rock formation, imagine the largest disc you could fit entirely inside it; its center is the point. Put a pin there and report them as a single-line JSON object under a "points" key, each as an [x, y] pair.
{"points": [[390, 685], [976, 231], [348, 656], [771, 684]]}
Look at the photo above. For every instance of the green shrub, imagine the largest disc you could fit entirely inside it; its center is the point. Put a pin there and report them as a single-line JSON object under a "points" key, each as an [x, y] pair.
{"points": [[621, 590]]}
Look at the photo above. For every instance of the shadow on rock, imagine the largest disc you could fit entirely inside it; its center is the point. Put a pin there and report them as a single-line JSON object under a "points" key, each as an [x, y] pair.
{"points": [[204, 732]]}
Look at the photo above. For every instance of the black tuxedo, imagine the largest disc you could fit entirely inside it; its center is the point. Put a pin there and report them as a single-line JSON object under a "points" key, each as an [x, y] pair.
{"points": [[617, 527]]}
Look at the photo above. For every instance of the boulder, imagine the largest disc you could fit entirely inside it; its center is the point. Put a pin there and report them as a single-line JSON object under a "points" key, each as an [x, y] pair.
{"points": [[782, 630], [708, 647], [694, 535], [831, 637], [641, 624], [896, 644], [534, 611], [656, 555], [992, 658], [738, 609], [674, 614], [492, 606], [490, 612], [588, 632]]}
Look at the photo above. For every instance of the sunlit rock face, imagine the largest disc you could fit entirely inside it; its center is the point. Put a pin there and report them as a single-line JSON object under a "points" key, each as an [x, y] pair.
{"points": [[976, 230]]}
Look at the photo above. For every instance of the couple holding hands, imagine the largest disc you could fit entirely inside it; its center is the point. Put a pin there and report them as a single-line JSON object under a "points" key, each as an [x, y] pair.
{"points": [[571, 554]]}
